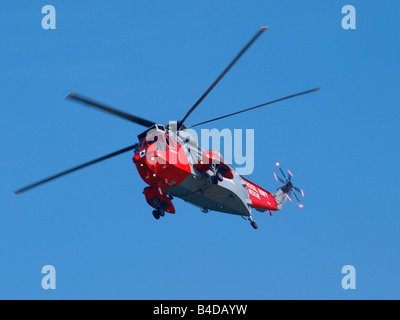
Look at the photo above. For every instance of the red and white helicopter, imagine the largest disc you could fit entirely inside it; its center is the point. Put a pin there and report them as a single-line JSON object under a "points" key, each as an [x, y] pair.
{"points": [[172, 163]]}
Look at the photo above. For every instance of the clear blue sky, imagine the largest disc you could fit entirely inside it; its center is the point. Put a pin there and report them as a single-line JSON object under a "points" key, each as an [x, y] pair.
{"points": [[155, 59]]}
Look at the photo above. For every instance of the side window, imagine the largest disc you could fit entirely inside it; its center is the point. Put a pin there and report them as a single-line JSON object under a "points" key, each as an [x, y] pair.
{"points": [[138, 148], [152, 139], [171, 142], [161, 138], [161, 146]]}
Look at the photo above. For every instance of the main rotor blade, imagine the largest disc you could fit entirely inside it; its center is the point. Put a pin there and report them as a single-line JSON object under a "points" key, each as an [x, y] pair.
{"points": [[36, 184], [111, 110], [224, 73], [256, 107]]}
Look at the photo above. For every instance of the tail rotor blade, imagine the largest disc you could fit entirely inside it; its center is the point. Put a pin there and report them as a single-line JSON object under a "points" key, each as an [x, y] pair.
{"points": [[301, 191], [288, 197], [278, 178], [297, 199], [290, 175], [279, 166]]}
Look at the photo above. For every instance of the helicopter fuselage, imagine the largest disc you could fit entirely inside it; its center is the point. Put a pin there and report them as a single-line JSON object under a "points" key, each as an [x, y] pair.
{"points": [[169, 162]]}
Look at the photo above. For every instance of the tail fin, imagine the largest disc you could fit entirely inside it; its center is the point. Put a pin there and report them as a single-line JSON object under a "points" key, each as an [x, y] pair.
{"points": [[281, 197]]}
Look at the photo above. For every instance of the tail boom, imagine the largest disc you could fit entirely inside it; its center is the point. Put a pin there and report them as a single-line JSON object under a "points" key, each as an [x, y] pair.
{"points": [[261, 200]]}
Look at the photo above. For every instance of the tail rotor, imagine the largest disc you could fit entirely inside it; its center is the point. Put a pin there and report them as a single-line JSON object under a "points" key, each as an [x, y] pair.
{"points": [[289, 189]]}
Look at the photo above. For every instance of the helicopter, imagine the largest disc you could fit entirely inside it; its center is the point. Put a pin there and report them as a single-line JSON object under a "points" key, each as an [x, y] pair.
{"points": [[171, 162]]}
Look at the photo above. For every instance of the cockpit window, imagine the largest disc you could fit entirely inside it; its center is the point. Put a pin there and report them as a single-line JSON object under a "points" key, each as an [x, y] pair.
{"points": [[170, 141], [161, 146], [161, 138], [137, 148], [163, 141], [152, 139]]}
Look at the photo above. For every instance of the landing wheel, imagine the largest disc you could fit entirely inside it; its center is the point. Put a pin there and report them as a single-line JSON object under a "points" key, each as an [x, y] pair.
{"points": [[219, 176], [214, 179], [156, 214], [254, 225], [161, 212]]}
